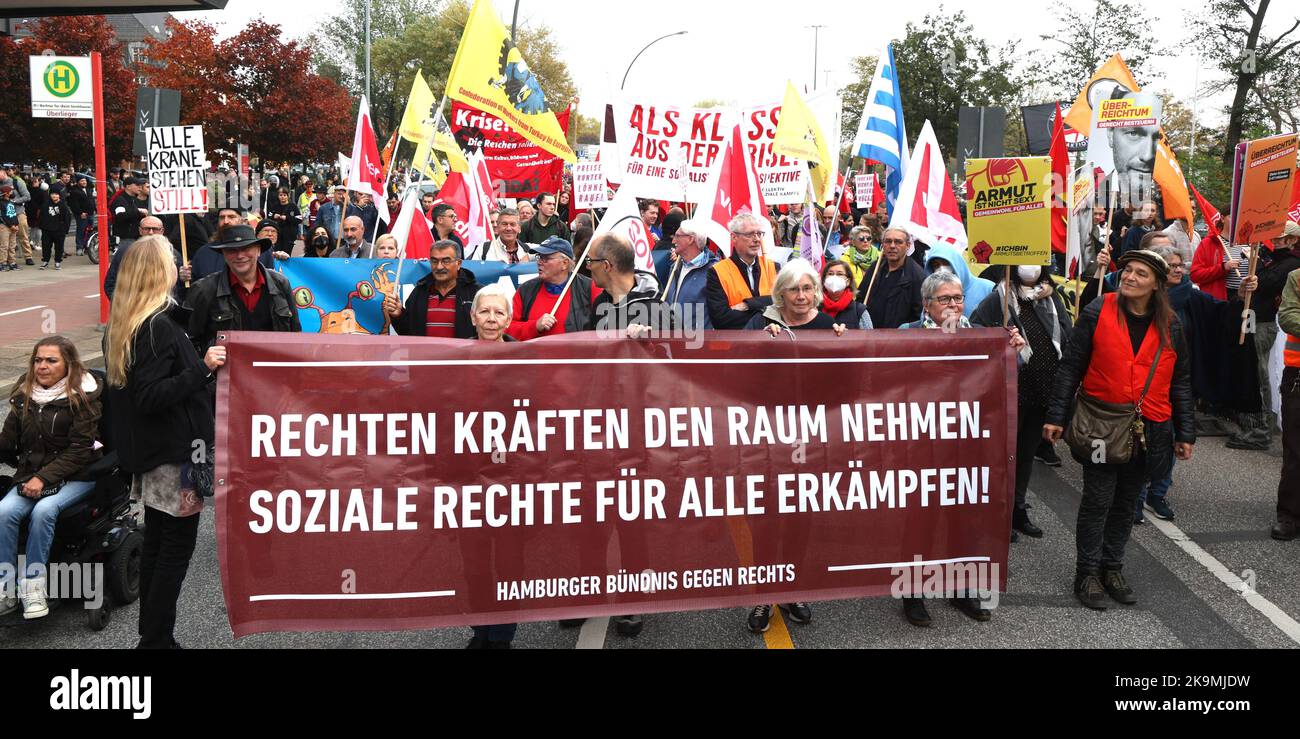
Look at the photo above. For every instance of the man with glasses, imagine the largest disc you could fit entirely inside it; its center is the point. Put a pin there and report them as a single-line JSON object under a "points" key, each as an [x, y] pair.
{"points": [[439, 305], [149, 226], [538, 308], [688, 278], [740, 288], [895, 296], [444, 224], [621, 304]]}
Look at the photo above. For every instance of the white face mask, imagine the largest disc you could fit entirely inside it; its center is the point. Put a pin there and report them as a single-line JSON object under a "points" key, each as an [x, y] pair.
{"points": [[1029, 274], [836, 283]]}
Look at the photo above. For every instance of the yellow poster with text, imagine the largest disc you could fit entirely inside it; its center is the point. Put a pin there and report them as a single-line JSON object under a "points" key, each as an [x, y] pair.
{"points": [[1008, 210]]}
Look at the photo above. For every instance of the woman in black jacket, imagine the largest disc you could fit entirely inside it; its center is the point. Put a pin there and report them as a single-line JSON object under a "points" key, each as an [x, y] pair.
{"points": [[1039, 314], [1126, 348], [49, 436], [162, 415]]}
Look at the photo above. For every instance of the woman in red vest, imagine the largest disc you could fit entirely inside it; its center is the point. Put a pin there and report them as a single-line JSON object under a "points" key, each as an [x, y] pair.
{"points": [[1127, 347]]}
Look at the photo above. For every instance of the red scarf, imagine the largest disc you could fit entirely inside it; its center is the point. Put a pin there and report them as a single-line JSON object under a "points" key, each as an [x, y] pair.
{"points": [[833, 308]]}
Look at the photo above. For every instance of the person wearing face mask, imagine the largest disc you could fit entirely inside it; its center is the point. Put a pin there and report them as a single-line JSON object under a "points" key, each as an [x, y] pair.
{"points": [[837, 296], [688, 277], [1039, 315], [950, 258], [318, 246]]}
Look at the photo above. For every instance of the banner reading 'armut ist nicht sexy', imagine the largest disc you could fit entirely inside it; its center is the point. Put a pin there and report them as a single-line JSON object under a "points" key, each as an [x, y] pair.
{"points": [[459, 483]]}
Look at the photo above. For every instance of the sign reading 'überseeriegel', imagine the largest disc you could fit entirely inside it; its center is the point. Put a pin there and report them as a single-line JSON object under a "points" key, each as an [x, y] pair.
{"points": [[177, 170]]}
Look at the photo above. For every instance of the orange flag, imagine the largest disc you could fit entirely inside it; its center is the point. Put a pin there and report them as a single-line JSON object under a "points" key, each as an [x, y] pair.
{"points": [[1168, 175]]}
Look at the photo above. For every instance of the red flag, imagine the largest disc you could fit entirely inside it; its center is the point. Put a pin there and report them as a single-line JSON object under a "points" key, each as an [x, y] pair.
{"points": [[473, 200], [735, 190], [1294, 212], [1208, 212], [1060, 184], [414, 232], [367, 170]]}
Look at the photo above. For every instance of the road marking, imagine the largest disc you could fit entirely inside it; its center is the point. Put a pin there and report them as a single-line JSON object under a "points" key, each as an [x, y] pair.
{"points": [[96, 295], [21, 310], [352, 596], [1280, 618], [777, 635], [592, 634]]}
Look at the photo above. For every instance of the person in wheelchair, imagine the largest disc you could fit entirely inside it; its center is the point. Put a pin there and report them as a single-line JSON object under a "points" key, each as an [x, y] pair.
{"points": [[49, 436]]}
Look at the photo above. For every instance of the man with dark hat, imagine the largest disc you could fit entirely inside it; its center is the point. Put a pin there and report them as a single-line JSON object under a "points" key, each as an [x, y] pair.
{"points": [[128, 208], [243, 296], [209, 260], [535, 299]]}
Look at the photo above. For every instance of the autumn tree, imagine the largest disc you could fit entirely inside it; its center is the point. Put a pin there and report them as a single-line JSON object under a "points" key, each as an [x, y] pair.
{"points": [[253, 88], [65, 141]]}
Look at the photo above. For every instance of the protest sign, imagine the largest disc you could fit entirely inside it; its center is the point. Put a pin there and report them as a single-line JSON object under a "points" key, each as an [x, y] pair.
{"points": [[864, 187], [519, 167], [1265, 188], [345, 296], [590, 190], [650, 476], [663, 148], [1124, 139], [1008, 210], [177, 170]]}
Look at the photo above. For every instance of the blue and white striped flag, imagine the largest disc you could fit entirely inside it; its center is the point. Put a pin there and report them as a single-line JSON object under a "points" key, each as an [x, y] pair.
{"points": [[882, 136]]}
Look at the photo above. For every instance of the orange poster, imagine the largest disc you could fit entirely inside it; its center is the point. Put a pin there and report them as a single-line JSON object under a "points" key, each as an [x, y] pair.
{"points": [[1266, 182]]}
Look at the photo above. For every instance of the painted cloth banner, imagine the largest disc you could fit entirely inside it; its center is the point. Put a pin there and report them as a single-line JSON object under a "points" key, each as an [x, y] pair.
{"points": [[1008, 210], [519, 167], [649, 476], [346, 296], [663, 148]]}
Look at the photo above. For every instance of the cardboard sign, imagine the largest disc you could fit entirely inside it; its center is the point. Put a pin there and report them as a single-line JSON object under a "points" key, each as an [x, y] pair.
{"points": [[1264, 198], [864, 187], [177, 170], [1008, 210], [1126, 136], [589, 187]]}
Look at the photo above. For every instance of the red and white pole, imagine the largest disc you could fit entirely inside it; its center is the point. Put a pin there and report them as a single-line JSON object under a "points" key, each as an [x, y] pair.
{"points": [[101, 180]]}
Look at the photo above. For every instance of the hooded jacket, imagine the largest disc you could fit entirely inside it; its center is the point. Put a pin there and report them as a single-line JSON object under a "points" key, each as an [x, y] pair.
{"points": [[51, 441], [974, 288]]}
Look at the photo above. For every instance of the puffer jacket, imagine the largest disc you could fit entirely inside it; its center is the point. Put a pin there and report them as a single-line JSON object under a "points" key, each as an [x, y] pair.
{"points": [[51, 441]]}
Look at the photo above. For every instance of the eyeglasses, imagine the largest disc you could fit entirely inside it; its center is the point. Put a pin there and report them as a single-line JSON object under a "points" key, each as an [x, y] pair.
{"points": [[1179, 266], [592, 260], [810, 289], [444, 262], [150, 230], [949, 299], [748, 234]]}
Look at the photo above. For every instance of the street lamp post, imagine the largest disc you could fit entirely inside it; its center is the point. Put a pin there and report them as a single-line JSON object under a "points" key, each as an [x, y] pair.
{"points": [[642, 51]]}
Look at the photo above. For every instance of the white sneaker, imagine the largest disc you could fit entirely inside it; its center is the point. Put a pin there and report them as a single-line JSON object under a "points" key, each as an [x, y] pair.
{"points": [[58, 265], [8, 604], [33, 596]]}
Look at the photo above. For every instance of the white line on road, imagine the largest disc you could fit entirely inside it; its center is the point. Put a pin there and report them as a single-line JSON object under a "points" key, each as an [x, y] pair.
{"points": [[592, 635], [21, 310], [913, 563], [1280, 618], [96, 295], [354, 596]]}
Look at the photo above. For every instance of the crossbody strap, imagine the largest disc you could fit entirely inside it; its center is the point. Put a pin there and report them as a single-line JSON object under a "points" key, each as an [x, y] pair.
{"points": [[1150, 377]]}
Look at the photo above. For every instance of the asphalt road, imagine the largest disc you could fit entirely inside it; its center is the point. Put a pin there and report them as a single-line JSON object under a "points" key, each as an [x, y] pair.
{"points": [[1189, 575]]}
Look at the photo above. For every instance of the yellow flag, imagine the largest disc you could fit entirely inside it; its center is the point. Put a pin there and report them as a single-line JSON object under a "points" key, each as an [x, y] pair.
{"points": [[490, 74], [432, 170], [798, 135], [443, 142], [419, 109]]}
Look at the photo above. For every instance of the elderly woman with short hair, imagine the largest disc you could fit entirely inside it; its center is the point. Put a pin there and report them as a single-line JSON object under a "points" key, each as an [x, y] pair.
{"points": [[796, 302]]}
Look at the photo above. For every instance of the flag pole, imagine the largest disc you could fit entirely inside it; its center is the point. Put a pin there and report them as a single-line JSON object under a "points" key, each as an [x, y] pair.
{"points": [[1006, 297], [836, 206], [392, 161], [874, 273], [573, 274], [672, 274], [1245, 313]]}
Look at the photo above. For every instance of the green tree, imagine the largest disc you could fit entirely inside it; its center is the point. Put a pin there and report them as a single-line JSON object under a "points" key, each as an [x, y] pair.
{"points": [[1085, 37], [943, 65]]}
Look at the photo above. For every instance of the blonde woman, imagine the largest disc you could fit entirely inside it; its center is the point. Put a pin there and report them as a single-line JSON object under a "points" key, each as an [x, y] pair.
{"points": [[49, 436], [162, 416]]}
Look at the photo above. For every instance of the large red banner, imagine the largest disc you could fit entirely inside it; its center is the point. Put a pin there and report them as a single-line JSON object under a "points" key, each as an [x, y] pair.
{"points": [[519, 167], [398, 483]]}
